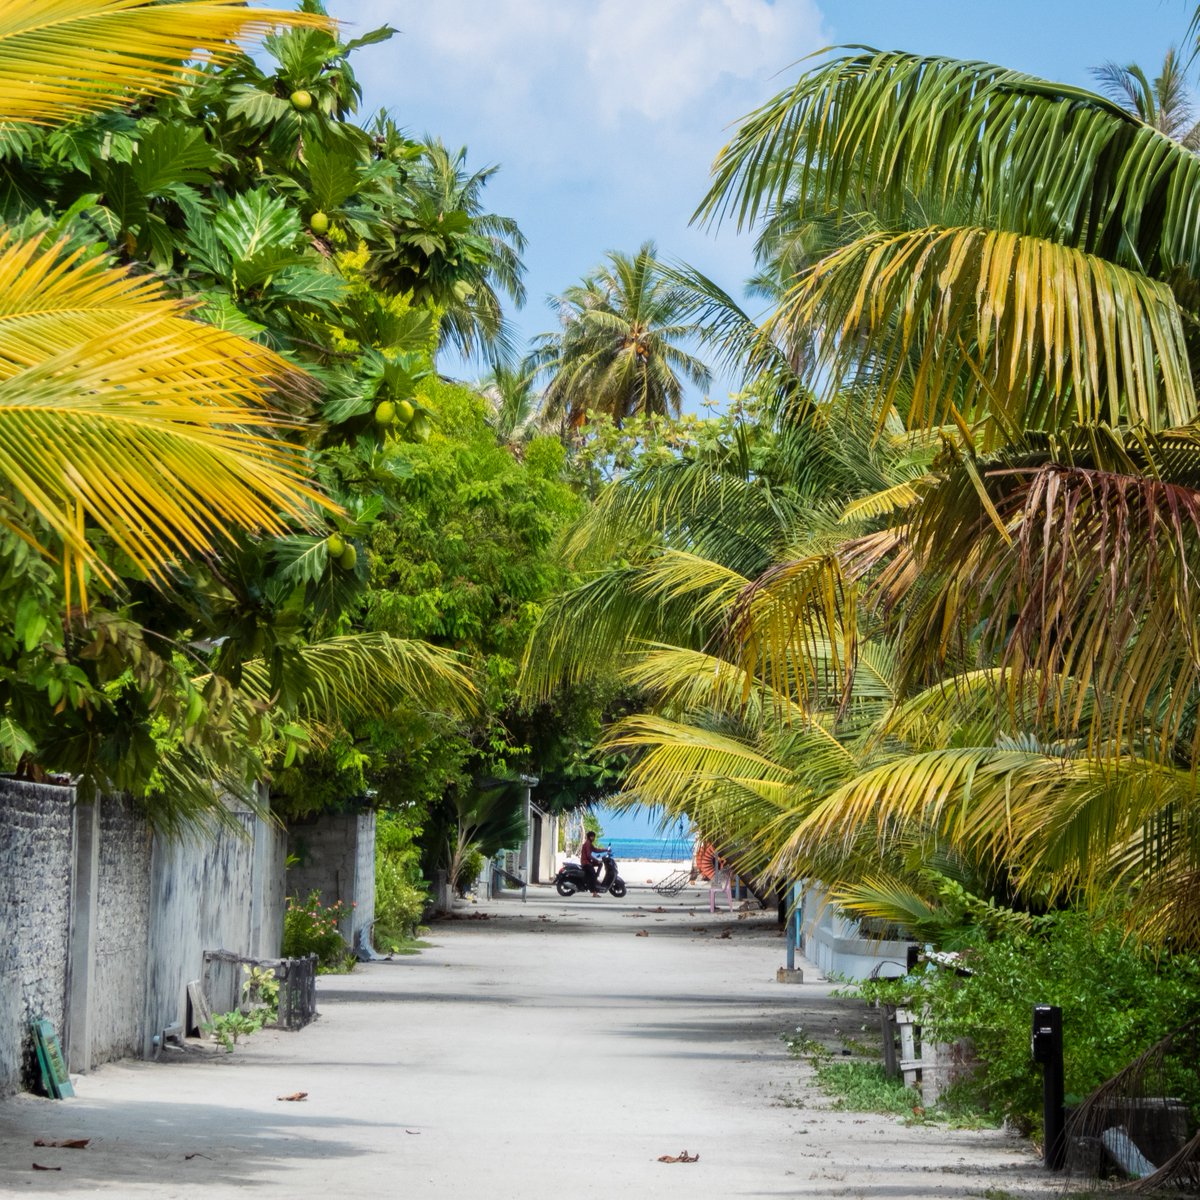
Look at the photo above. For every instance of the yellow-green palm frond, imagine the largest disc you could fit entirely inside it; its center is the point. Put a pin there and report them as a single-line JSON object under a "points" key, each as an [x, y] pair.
{"points": [[962, 708], [969, 797], [1058, 824], [794, 630], [588, 633], [884, 898], [692, 681], [1087, 586], [883, 503], [118, 410], [363, 675], [713, 508], [677, 763], [1003, 331], [60, 59]]}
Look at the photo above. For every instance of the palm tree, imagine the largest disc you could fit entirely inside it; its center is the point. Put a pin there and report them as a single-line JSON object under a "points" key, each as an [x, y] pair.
{"points": [[1040, 317], [444, 248], [618, 350], [516, 404], [1022, 297], [1163, 103], [118, 411]]}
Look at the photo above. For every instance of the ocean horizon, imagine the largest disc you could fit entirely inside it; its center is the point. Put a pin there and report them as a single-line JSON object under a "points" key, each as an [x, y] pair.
{"points": [[650, 849]]}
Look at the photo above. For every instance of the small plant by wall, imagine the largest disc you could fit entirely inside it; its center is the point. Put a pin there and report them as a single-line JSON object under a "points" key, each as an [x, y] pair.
{"points": [[310, 927]]}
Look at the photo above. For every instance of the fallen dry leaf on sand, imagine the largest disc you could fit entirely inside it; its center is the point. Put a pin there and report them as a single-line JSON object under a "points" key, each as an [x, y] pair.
{"points": [[727, 934], [294, 1096], [641, 933], [63, 1143], [39, 1167], [682, 1156], [412, 1131]]}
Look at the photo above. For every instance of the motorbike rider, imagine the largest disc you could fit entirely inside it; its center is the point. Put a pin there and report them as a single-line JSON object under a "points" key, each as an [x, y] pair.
{"points": [[589, 854]]}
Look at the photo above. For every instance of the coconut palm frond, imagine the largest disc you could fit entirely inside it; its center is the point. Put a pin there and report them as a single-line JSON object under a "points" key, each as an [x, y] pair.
{"points": [[710, 506], [1003, 331], [794, 628], [365, 674], [887, 501], [1082, 586], [874, 129], [712, 777], [588, 633], [117, 409], [692, 681], [884, 898], [62, 58]]}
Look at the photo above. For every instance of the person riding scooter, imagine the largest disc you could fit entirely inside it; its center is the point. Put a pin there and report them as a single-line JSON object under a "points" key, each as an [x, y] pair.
{"points": [[589, 853]]}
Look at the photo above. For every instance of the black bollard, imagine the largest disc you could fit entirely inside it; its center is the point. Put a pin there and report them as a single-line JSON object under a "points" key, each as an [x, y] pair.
{"points": [[1047, 1049]]}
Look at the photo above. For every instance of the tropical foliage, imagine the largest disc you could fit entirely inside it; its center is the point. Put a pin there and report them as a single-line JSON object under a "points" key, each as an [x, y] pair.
{"points": [[262, 383], [918, 634]]}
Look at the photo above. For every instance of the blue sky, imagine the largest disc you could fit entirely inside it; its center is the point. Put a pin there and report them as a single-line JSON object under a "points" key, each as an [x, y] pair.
{"points": [[605, 114]]}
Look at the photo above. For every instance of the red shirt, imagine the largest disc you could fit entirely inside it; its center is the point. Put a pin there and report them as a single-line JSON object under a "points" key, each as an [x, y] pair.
{"points": [[587, 853]]}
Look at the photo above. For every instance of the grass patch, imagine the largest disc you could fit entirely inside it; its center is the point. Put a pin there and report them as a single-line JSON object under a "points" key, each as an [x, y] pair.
{"points": [[863, 1087], [860, 1085], [406, 945]]}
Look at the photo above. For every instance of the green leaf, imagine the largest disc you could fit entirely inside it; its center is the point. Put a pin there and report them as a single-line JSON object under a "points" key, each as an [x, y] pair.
{"points": [[333, 174], [257, 108], [254, 222], [303, 285], [170, 153]]}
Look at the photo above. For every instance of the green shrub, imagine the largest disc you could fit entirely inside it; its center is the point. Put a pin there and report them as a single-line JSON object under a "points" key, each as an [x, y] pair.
{"points": [[310, 927], [468, 871], [863, 1087], [226, 1028], [399, 904], [1117, 1001], [401, 896]]}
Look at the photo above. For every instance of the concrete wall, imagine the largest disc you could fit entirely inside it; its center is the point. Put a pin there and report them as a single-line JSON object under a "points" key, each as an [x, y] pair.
{"points": [[122, 923], [334, 855], [102, 924], [220, 889], [832, 941], [35, 916]]}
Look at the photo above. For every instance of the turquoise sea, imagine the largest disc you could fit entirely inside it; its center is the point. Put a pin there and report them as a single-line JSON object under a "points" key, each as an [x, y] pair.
{"points": [[649, 849]]}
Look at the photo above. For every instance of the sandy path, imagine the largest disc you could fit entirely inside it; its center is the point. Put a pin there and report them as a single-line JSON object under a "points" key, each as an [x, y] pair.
{"points": [[547, 1051]]}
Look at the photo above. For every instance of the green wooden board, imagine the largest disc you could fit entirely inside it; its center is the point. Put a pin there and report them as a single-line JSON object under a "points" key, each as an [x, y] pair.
{"points": [[50, 1060]]}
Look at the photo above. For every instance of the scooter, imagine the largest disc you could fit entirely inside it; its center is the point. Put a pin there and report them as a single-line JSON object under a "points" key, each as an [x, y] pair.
{"points": [[571, 878]]}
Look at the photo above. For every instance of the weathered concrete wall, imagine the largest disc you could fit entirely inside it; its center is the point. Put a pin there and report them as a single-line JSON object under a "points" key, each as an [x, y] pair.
{"points": [[102, 925], [335, 856], [223, 891], [35, 916], [122, 920]]}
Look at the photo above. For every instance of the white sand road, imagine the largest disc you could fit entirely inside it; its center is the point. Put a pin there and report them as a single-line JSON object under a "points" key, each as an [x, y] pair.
{"points": [[546, 1051]]}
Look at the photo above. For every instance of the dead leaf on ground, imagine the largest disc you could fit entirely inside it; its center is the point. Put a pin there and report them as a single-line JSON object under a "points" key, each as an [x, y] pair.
{"points": [[642, 933], [194, 1154], [63, 1143], [726, 934], [294, 1096], [39, 1167], [682, 1156], [412, 1131]]}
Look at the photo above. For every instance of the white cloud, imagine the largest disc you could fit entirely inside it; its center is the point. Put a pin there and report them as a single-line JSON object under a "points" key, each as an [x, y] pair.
{"points": [[560, 72], [604, 114]]}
